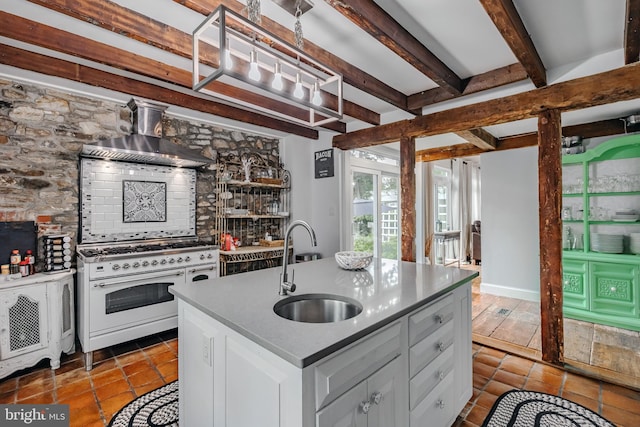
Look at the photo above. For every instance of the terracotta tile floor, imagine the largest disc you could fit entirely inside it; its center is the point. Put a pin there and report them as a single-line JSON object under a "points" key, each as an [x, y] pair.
{"points": [[495, 372], [119, 374], [126, 371], [514, 325], [129, 370]]}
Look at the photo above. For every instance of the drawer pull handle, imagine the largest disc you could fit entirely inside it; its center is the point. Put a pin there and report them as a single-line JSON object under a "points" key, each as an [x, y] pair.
{"points": [[441, 346], [365, 406], [440, 375], [613, 289], [376, 398], [440, 404], [566, 282], [439, 318]]}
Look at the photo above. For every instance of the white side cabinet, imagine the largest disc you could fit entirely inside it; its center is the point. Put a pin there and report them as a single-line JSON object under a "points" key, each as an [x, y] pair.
{"points": [[36, 320], [415, 371]]}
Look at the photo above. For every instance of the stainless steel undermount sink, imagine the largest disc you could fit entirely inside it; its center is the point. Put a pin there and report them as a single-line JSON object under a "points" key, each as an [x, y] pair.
{"points": [[317, 308]]}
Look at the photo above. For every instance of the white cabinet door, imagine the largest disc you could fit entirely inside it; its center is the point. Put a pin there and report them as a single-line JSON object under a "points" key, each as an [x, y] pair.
{"points": [[24, 320], [253, 383], [376, 402], [200, 393], [386, 396], [226, 380], [346, 411]]}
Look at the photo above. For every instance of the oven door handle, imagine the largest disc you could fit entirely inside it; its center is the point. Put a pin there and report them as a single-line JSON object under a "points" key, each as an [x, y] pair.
{"points": [[195, 270], [120, 282]]}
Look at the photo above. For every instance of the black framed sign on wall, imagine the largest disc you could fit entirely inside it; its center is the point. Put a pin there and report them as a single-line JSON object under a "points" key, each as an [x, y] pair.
{"points": [[324, 164]]}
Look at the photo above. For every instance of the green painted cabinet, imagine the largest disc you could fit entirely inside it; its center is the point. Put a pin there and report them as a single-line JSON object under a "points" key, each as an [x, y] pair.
{"points": [[574, 286], [601, 234]]}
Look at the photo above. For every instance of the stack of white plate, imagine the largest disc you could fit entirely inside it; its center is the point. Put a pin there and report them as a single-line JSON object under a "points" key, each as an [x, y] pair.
{"points": [[607, 243], [626, 215], [634, 244]]}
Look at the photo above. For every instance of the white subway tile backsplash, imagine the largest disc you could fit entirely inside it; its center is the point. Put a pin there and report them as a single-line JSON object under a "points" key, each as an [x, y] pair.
{"points": [[102, 193], [102, 201]]}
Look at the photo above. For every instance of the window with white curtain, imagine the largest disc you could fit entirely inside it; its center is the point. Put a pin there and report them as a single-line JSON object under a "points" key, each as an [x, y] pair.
{"points": [[442, 198]]}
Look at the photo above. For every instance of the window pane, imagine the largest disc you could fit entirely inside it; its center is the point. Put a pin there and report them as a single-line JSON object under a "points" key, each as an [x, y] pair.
{"points": [[363, 226], [390, 220]]}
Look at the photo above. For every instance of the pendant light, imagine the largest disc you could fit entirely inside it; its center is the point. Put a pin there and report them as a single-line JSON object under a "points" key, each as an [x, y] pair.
{"points": [[297, 91], [277, 77], [316, 98], [254, 70], [228, 62]]}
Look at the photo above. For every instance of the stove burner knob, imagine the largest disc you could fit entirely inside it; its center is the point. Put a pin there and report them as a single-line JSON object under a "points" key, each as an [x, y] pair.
{"points": [[115, 267], [187, 258], [210, 256], [154, 262], [163, 262], [125, 265], [136, 264], [180, 260], [202, 256], [146, 263], [172, 261]]}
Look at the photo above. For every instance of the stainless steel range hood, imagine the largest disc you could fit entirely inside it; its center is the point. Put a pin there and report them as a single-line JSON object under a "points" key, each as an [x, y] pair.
{"points": [[145, 145]]}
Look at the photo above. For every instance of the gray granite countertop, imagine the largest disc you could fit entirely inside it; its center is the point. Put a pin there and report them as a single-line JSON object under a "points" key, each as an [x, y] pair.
{"points": [[386, 289]]}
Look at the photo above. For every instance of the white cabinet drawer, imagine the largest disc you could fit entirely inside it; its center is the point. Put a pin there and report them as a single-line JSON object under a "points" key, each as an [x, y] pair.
{"points": [[437, 408], [430, 319], [342, 371], [428, 378], [421, 354]]}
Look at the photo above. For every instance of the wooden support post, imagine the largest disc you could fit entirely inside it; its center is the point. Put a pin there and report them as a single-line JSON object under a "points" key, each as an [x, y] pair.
{"points": [[550, 197], [408, 198]]}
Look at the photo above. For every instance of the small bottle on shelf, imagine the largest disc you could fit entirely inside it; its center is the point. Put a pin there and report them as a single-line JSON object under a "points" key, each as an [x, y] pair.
{"points": [[31, 261]]}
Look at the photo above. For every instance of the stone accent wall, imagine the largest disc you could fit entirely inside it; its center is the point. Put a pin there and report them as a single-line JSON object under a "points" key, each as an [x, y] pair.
{"points": [[216, 142], [42, 131]]}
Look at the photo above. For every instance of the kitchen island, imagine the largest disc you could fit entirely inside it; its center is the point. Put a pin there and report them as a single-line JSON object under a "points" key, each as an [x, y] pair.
{"points": [[405, 359]]}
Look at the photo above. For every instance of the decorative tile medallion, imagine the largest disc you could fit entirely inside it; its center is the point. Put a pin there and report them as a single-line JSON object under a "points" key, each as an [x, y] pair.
{"points": [[144, 201]]}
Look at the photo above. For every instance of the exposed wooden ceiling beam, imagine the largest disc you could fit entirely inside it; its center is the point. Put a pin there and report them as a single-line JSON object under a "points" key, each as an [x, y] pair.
{"points": [[465, 150], [586, 130], [351, 75], [489, 80], [632, 32], [52, 38], [595, 129], [60, 68], [621, 84], [380, 25], [507, 20], [480, 138], [113, 17]]}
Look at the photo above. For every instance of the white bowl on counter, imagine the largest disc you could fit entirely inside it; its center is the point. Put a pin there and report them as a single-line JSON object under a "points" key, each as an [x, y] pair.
{"points": [[353, 260]]}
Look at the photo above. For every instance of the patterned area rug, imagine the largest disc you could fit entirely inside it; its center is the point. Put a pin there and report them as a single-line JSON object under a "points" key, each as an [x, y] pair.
{"points": [[159, 407], [527, 408]]}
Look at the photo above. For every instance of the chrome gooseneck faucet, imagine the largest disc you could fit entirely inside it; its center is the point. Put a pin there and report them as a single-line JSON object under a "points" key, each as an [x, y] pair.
{"points": [[285, 284]]}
